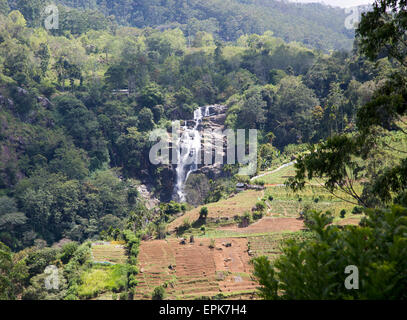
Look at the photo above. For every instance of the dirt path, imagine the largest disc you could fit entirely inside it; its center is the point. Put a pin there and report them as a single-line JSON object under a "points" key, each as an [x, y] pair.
{"points": [[274, 171]]}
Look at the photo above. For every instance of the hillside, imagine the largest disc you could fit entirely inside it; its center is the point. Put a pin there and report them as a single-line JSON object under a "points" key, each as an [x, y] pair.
{"points": [[315, 25], [202, 150], [217, 264]]}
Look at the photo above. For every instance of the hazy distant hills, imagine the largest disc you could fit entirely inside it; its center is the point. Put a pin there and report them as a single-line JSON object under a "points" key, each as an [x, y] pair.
{"points": [[315, 25]]}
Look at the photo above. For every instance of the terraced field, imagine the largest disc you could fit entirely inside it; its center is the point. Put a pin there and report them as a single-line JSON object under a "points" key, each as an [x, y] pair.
{"points": [[236, 205], [111, 253], [289, 204], [195, 270], [269, 224], [270, 245]]}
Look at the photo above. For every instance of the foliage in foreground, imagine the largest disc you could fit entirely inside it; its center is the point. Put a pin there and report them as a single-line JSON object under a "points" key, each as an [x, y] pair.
{"points": [[315, 268]]}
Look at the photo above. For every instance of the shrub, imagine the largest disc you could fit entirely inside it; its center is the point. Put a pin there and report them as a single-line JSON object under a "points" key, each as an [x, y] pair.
{"points": [[259, 182], [68, 251], [158, 293], [203, 213], [342, 213], [260, 206], [242, 179], [357, 210], [219, 296], [245, 220], [257, 215], [124, 296], [132, 245]]}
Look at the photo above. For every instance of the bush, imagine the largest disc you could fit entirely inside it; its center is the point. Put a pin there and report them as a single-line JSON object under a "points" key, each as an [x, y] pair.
{"points": [[245, 220], [68, 251], [257, 215], [261, 206], [124, 296], [342, 213], [324, 257], [158, 293], [259, 182], [357, 210], [203, 213], [242, 179], [132, 245], [219, 296]]}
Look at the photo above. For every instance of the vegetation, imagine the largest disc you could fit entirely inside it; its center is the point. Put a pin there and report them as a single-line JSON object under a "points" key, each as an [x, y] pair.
{"points": [[78, 105], [158, 293], [204, 21], [314, 269]]}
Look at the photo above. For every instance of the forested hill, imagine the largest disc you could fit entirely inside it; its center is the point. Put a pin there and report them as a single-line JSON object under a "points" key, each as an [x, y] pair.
{"points": [[316, 25]]}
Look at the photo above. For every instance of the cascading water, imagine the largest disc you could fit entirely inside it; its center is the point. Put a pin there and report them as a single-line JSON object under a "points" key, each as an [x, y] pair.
{"points": [[189, 152]]}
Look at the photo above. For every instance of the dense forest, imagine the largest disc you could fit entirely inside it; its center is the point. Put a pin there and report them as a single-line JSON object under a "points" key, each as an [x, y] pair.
{"points": [[315, 25], [77, 105]]}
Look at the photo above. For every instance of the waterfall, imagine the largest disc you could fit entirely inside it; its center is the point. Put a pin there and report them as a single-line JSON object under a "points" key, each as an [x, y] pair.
{"points": [[189, 152]]}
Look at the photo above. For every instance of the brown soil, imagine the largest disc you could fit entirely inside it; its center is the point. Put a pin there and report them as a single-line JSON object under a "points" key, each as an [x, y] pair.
{"points": [[348, 221], [198, 270]]}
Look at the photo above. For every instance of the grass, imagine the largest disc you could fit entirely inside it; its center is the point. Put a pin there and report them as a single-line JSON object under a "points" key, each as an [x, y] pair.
{"points": [[289, 204], [236, 205], [278, 177], [101, 279]]}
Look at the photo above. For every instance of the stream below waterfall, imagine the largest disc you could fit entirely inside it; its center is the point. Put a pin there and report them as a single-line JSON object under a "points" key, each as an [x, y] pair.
{"points": [[188, 152]]}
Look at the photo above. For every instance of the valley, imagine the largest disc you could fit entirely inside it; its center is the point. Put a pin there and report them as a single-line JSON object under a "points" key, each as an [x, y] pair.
{"points": [[217, 264], [202, 150]]}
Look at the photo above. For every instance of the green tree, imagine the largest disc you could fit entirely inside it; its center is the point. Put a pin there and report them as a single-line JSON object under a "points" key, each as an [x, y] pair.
{"points": [[203, 213], [315, 268], [146, 118], [12, 274], [11, 221]]}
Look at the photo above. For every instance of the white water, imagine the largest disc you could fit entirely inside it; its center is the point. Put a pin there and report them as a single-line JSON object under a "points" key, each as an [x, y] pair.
{"points": [[189, 152]]}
